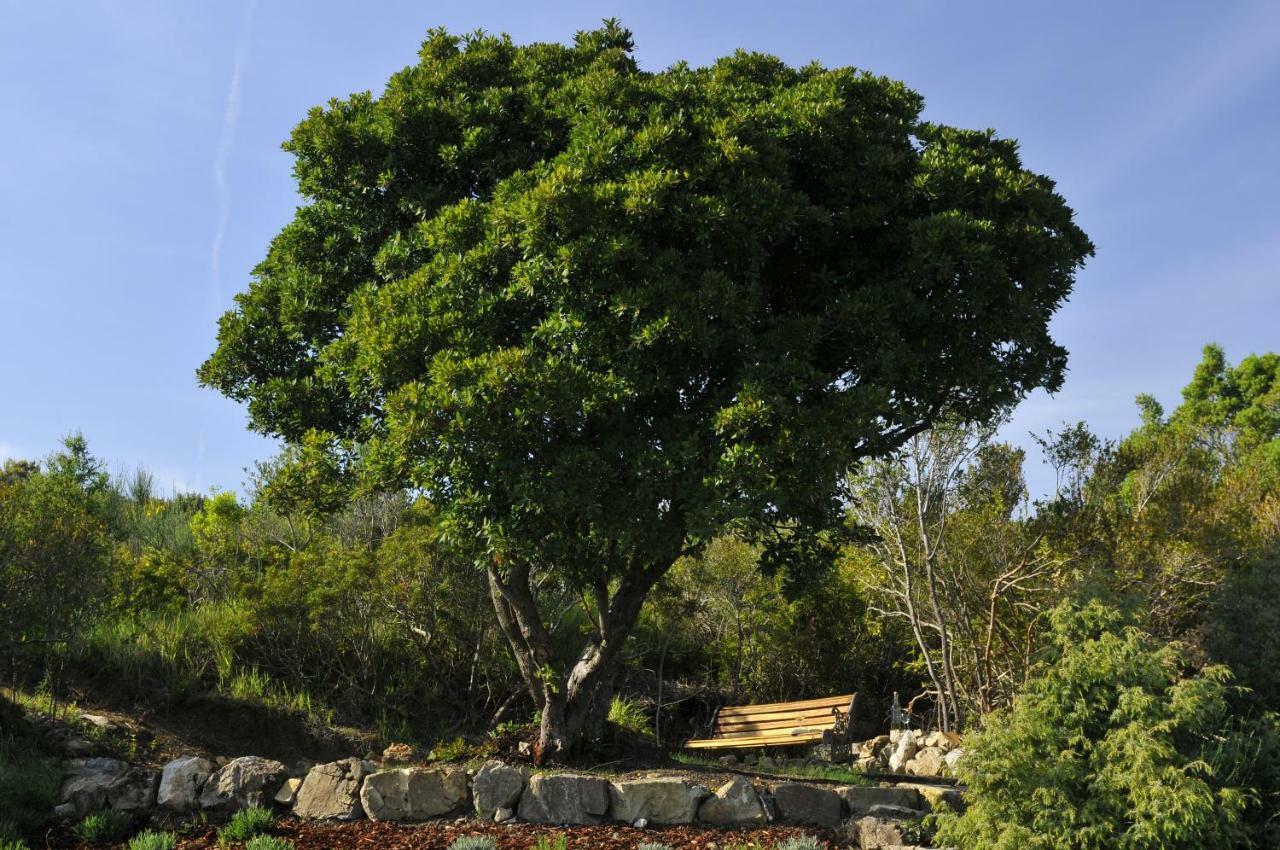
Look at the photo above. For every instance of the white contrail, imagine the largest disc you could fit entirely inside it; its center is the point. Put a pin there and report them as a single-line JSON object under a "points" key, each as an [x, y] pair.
{"points": [[230, 117]]}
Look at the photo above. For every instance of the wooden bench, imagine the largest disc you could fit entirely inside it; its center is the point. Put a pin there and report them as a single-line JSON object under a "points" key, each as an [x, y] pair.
{"points": [[775, 724]]}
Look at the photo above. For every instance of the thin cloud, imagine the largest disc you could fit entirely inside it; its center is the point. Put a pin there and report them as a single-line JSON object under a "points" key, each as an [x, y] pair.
{"points": [[221, 160]]}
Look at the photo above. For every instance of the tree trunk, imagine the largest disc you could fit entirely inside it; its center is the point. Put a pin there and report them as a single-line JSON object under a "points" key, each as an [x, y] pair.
{"points": [[574, 701]]}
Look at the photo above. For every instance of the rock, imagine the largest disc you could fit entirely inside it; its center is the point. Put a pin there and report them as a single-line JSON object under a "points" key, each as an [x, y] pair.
{"points": [[728, 761], [875, 834], [860, 799], [414, 793], [398, 754], [181, 781], [288, 793], [874, 746], [65, 811], [952, 759], [78, 747], [98, 721], [332, 791], [813, 805], [87, 780], [504, 815], [903, 753], [640, 823], [767, 763], [135, 791], [564, 798], [241, 783], [894, 813], [749, 759], [496, 786], [868, 764], [940, 797], [734, 803], [928, 762], [657, 799]]}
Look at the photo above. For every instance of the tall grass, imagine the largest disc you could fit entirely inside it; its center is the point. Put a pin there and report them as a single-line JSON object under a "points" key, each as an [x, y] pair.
{"points": [[29, 779]]}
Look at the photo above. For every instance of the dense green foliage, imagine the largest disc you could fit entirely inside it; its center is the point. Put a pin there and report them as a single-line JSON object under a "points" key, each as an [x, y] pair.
{"points": [[151, 840], [247, 823], [1110, 745]]}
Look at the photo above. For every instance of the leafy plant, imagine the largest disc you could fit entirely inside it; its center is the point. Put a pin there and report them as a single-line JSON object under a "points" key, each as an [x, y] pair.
{"points": [[245, 824], [800, 842], [268, 842], [13, 844], [473, 842], [627, 713], [151, 840], [106, 827]]}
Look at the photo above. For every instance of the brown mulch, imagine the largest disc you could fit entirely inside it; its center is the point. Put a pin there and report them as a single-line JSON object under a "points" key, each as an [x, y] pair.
{"points": [[438, 835]]}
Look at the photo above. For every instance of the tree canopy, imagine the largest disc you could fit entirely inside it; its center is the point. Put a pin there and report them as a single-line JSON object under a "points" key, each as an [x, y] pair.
{"points": [[597, 313]]}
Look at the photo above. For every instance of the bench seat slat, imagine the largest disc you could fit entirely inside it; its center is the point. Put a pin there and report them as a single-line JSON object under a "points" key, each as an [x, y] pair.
{"points": [[758, 741], [825, 702]]}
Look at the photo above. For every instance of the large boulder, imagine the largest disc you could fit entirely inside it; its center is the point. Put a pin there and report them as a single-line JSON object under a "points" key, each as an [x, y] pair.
{"points": [[243, 782], [735, 803], [929, 761], [657, 800], [941, 797], [813, 805], [564, 798], [859, 799], [84, 788], [496, 786], [181, 781], [332, 791], [413, 793]]}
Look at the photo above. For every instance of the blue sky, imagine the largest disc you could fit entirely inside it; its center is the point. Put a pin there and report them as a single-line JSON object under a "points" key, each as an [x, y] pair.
{"points": [[141, 178]]}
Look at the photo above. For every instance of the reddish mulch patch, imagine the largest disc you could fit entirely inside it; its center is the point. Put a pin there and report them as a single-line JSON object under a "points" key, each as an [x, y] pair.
{"points": [[437, 835]]}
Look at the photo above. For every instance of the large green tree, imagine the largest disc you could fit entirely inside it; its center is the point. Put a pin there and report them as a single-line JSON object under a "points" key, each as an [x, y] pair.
{"points": [[598, 313]]}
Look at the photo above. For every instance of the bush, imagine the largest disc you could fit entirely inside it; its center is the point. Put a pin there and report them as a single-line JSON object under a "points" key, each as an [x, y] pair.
{"points": [[105, 827], [12, 844], [547, 842], [246, 824], [473, 842], [627, 714], [1110, 746], [29, 780], [150, 840], [268, 842]]}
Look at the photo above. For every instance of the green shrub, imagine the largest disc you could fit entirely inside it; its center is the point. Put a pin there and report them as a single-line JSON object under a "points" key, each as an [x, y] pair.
{"points": [[151, 840], [245, 824], [800, 842], [268, 842], [473, 842], [547, 842], [1110, 745], [105, 827], [29, 780], [7, 843]]}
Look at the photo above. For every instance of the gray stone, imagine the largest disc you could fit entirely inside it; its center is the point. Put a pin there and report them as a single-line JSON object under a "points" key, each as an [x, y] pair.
{"points": [[496, 786], [78, 747], [504, 815], [927, 762], [873, 746], [729, 760], [875, 834], [941, 797], [241, 783], [98, 721], [332, 791], [288, 793], [181, 781], [414, 793], [135, 791], [952, 759], [734, 803], [767, 763], [904, 752], [860, 799], [894, 813], [813, 805], [658, 799], [564, 798], [87, 782]]}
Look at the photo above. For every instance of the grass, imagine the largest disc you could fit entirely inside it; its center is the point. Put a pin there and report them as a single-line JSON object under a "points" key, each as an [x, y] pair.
{"points": [[268, 842], [627, 713], [547, 842], [12, 844], [825, 772], [800, 842], [246, 824], [105, 827], [473, 842], [151, 840], [29, 778]]}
